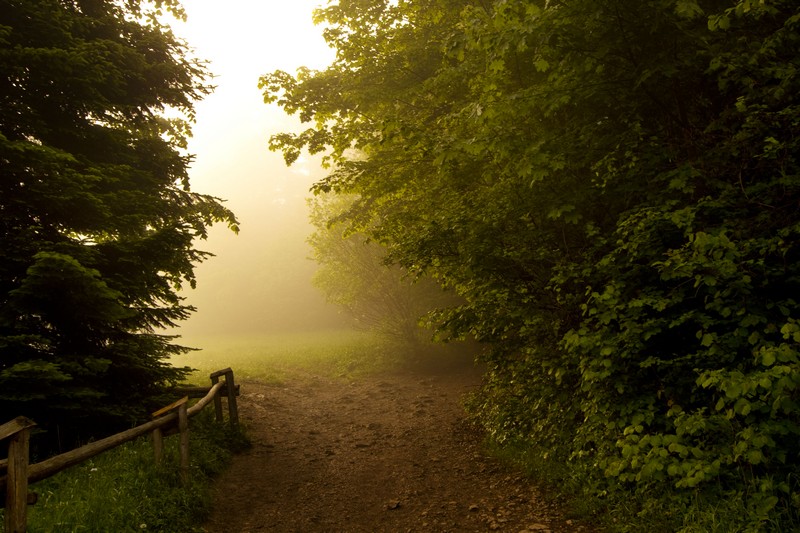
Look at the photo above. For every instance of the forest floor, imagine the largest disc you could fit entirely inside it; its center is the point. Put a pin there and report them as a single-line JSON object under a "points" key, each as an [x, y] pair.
{"points": [[392, 452]]}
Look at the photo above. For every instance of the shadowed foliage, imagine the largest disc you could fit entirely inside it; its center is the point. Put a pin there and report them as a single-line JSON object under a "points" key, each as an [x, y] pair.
{"points": [[612, 187], [97, 218]]}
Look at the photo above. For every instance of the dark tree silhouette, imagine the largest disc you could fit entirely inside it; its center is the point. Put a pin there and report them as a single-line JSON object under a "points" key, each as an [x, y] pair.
{"points": [[97, 219]]}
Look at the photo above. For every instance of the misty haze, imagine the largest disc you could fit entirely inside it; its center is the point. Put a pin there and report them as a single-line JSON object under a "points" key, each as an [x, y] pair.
{"points": [[547, 279], [260, 280]]}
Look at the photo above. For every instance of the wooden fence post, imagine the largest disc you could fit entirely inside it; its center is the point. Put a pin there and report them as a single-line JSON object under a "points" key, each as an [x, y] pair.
{"points": [[158, 445], [18, 431], [183, 428], [233, 409], [217, 399]]}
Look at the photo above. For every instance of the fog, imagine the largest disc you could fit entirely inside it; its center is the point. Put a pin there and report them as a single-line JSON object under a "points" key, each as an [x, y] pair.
{"points": [[259, 281]]}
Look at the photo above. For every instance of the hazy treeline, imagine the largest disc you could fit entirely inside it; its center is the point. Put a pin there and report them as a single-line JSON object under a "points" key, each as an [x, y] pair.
{"points": [[355, 274]]}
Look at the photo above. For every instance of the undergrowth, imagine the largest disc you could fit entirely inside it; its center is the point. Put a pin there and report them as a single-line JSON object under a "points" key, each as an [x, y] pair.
{"points": [[627, 510], [123, 490]]}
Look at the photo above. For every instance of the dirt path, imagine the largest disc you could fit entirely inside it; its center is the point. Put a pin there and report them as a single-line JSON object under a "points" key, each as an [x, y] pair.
{"points": [[391, 453]]}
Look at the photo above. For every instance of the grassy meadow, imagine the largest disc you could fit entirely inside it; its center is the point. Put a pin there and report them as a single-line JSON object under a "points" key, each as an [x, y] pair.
{"points": [[269, 357]]}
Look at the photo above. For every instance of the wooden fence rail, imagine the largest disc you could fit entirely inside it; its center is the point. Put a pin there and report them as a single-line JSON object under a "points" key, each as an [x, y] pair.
{"points": [[16, 474]]}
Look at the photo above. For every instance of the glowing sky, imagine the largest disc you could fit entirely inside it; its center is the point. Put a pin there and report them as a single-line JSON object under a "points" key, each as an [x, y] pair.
{"points": [[259, 280]]}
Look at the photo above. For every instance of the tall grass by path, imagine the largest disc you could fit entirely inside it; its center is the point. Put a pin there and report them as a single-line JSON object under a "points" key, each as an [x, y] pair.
{"points": [[124, 490]]}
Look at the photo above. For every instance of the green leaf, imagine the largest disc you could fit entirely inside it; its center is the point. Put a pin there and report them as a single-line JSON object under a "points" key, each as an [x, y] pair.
{"points": [[542, 65], [688, 9], [755, 457], [742, 407], [733, 390]]}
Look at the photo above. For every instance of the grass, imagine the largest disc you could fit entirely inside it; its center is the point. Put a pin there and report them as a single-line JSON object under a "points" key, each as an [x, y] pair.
{"points": [[124, 490], [269, 358]]}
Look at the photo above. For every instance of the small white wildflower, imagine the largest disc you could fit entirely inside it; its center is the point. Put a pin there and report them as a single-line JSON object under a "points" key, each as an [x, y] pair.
{"points": [[93, 469], [142, 526]]}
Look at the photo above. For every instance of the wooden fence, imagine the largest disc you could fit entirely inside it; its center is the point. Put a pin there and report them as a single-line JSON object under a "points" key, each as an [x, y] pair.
{"points": [[16, 473]]}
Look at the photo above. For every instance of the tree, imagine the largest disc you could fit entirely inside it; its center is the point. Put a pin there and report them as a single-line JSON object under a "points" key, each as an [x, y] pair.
{"points": [[612, 187], [354, 275], [97, 217]]}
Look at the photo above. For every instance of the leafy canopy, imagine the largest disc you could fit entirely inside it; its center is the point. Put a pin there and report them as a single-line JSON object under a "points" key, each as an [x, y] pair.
{"points": [[613, 188]]}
